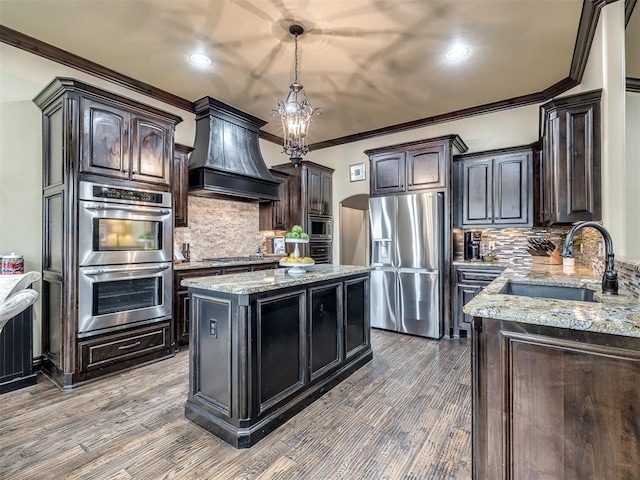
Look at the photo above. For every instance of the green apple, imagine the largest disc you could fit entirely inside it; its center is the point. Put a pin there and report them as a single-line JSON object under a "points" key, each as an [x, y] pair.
{"points": [[304, 236], [296, 229]]}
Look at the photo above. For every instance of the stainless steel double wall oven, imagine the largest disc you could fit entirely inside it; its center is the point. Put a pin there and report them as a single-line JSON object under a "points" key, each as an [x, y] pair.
{"points": [[125, 253]]}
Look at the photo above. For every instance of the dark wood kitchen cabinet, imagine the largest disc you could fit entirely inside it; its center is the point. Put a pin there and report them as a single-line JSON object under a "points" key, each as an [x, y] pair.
{"points": [[91, 134], [325, 323], [469, 281], [570, 163], [494, 188], [273, 215], [413, 166], [123, 143], [180, 185], [308, 192], [554, 403]]}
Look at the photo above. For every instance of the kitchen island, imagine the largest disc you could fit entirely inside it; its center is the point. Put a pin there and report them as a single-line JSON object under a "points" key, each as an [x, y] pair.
{"points": [[265, 344], [556, 383]]}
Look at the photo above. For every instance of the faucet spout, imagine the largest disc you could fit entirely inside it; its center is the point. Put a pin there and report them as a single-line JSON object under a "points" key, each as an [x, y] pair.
{"points": [[610, 277]]}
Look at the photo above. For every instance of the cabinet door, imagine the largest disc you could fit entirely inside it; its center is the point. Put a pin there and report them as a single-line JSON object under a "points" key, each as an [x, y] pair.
{"points": [[326, 328], [180, 185], [388, 173], [181, 317], [105, 140], [314, 191], [152, 143], [356, 315], [426, 168], [477, 204], [577, 167], [325, 192], [461, 321], [512, 191]]}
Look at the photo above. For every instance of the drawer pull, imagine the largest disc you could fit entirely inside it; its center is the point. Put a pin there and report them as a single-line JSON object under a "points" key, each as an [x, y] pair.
{"points": [[127, 347]]}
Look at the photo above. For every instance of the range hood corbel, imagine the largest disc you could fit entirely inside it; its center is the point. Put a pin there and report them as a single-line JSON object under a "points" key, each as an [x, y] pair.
{"points": [[227, 162]]}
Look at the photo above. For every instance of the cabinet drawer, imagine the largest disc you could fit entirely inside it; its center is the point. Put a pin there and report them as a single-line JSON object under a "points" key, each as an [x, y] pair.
{"points": [[477, 276], [100, 352]]}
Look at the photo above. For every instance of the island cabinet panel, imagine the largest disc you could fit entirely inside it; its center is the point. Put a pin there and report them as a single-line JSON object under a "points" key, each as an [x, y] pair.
{"points": [[214, 343], [326, 328], [554, 403], [284, 350], [281, 347], [356, 316]]}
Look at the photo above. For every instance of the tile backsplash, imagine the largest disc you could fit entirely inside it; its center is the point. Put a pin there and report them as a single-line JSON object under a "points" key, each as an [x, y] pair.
{"points": [[509, 245], [220, 228]]}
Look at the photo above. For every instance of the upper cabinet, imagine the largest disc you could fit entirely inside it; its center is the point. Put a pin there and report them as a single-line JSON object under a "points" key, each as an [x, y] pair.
{"points": [[180, 185], [99, 134], [412, 166], [305, 190], [120, 143], [568, 175], [494, 188], [273, 215]]}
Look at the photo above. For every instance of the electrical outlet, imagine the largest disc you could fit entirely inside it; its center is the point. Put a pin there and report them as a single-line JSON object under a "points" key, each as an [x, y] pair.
{"points": [[213, 328]]}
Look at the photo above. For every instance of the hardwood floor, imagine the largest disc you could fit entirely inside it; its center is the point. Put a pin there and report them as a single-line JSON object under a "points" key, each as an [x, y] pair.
{"points": [[405, 415]]}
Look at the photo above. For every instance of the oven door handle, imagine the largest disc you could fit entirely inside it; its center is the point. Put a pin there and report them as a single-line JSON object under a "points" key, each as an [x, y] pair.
{"points": [[101, 271], [126, 208]]}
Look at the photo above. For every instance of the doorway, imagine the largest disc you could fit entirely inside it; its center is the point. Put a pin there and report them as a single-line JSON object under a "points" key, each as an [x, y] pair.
{"points": [[354, 230]]}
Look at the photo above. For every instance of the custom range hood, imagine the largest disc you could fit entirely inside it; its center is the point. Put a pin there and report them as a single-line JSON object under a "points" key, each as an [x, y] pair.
{"points": [[227, 162]]}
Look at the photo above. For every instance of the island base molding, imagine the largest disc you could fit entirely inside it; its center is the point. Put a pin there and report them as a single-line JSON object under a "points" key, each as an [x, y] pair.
{"points": [[246, 437]]}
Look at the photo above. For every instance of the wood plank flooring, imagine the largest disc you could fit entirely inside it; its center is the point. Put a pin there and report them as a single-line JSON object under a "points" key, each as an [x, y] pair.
{"points": [[405, 415]]}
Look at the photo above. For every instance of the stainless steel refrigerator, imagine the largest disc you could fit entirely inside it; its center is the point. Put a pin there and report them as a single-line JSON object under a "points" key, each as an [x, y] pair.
{"points": [[407, 253]]}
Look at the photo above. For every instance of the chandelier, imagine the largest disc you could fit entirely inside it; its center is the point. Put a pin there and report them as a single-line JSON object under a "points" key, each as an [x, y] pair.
{"points": [[295, 111]]}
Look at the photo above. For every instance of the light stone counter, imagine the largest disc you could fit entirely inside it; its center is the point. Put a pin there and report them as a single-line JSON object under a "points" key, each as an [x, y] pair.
{"points": [[616, 315], [267, 280], [226, 263]]}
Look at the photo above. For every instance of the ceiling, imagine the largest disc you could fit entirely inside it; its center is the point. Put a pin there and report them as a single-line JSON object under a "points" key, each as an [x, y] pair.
{"points": [[368, 64]]}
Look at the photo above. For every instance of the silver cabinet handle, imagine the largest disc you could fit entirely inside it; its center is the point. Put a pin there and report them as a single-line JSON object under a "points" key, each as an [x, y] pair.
{"points": [[127, 347], [100, 271], [125, 208]]}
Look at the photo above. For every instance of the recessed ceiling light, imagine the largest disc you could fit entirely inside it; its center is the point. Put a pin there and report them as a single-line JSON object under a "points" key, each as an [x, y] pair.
{"points": [[200, 59], [456, 53]]}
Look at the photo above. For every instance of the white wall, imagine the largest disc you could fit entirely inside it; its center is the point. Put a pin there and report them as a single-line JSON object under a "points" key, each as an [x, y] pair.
{"points": [[632, 160], [605, 70]]}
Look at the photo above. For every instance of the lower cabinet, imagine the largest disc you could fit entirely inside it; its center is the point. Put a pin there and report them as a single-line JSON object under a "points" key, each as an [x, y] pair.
{"points": [[326, 328], [106, 353], [554, 403], [469, 281]]}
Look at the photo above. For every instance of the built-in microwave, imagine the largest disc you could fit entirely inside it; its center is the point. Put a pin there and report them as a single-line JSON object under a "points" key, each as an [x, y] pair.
{"points": [[319, 228]]}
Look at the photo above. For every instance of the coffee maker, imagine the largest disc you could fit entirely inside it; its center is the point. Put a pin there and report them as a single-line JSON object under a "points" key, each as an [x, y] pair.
{"points": [[472, 245]]}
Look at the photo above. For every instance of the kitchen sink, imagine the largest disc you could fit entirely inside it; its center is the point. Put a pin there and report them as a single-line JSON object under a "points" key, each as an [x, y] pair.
{"points": [[548, 291]]}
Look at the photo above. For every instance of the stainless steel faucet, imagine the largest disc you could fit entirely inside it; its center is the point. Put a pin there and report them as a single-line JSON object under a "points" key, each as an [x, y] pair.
{"points": [[610, 277]]}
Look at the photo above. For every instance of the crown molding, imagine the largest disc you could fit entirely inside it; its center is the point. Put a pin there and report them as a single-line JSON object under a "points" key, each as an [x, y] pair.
{"points": [[584, 39]]}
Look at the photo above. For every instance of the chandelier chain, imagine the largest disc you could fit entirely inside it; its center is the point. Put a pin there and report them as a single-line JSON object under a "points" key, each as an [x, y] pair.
{"points": [[295, 71]]}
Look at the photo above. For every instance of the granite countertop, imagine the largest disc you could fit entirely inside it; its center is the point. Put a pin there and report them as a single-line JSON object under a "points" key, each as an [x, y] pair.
{"points": [[226, 263], [266, 280], [480, 263], [611, 314]]}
